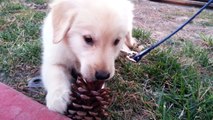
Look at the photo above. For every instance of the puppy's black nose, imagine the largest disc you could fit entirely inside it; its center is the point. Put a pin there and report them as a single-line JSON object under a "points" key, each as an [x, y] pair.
{"points": [[102, 75]]}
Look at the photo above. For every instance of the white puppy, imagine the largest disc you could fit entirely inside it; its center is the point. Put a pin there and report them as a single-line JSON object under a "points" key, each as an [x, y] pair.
{"points": [[85, 36]]}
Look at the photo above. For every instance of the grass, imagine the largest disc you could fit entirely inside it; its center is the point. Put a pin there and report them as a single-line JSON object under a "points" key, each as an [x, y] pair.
{"points": [[207, 17], [201, 55], [19, 36], [37, 1], [20, 47], [162, 86], [142, 35], [208, 39], [172, 82]]}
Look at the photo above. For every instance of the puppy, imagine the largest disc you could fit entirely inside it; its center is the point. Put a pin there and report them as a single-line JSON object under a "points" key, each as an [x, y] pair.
{"points": [[85, 36]]}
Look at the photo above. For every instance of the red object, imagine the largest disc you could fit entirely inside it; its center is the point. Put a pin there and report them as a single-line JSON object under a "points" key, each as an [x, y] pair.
{"points": [[16, 106]]}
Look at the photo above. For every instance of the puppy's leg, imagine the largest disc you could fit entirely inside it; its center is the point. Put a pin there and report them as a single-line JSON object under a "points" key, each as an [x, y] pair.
{"points": [[130, 44], [130, 41], [56, 81]]}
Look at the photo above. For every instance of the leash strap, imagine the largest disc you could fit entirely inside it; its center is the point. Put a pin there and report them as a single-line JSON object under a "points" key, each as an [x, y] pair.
{"points": [[137, 57]]}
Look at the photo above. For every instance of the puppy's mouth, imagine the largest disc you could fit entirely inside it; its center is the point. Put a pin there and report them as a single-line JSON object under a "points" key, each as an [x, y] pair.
{"points": [[75, 74], [93, 84]]}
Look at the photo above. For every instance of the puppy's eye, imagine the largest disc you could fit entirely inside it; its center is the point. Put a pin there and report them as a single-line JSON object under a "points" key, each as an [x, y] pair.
{"points": [[88, 40], [116, 42]]}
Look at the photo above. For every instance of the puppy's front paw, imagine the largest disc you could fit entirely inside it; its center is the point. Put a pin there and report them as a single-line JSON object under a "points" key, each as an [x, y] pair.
{"points": [[58, 100]]}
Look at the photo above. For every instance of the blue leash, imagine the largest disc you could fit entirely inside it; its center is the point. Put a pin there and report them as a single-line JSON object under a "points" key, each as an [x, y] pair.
{"points": [[137, 57]]}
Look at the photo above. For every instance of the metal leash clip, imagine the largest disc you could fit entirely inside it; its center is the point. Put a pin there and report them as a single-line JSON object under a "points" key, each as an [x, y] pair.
{"points": [[130, 56]]}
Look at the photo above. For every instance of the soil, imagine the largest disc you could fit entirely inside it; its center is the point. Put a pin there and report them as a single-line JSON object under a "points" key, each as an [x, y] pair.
{"points": [[162, 18]]}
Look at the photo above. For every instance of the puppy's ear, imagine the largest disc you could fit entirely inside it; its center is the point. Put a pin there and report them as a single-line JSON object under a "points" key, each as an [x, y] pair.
{"points": [[62, 19]]}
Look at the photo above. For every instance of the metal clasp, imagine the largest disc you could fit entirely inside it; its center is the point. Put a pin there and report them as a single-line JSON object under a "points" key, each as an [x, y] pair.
{"points": [[130, 55]]}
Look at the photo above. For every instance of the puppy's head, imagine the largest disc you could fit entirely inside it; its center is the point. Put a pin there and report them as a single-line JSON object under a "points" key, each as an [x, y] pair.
{"points": [[94, 31]]}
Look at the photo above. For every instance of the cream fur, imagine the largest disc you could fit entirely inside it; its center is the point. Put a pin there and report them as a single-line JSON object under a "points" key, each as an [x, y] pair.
{"points": [[64, 47]]}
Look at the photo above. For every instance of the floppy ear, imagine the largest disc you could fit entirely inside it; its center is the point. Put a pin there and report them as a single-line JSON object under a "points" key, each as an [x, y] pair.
{"points": [[62, 19]]}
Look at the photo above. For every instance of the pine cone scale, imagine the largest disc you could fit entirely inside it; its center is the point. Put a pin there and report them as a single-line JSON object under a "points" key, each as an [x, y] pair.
{"points": [[97, 118], [82, 90], [80, 113], [71, 111], [88, 118], [76, 105], [87, 107], [85, 97], [95, 93], [99, 98], [93, 113]]}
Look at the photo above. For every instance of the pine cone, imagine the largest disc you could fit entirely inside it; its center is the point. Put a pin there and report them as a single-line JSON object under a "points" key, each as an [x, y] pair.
{"points": [[89, 101]]}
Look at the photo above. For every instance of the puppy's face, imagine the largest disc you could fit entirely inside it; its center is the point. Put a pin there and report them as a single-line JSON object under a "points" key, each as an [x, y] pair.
{"points": [[94, 34]]}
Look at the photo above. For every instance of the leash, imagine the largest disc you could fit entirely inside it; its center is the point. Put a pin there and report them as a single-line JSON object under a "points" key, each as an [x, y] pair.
{"points": [[138, 57]]}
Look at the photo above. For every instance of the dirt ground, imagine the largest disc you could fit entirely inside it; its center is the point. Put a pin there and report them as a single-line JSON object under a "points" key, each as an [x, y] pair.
{"points": [[161, 19]]}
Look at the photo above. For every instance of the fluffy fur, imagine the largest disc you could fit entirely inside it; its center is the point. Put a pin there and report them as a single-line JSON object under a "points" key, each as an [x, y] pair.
{"points": [[64, 31]]}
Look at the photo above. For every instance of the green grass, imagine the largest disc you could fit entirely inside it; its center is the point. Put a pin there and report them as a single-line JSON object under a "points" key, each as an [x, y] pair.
{"points": [[142, 35], [172, 82], [163, 86], [208, 17], [37, 1], [208, 39], [205, 19], [19, 38], [200, 54]]}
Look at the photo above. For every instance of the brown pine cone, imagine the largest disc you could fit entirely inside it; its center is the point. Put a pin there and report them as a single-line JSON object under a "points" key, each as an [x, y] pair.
{"points": [[89, 101]]}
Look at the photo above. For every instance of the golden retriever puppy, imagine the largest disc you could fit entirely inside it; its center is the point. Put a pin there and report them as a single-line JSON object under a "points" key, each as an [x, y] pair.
{"points": [[85, 36]]}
